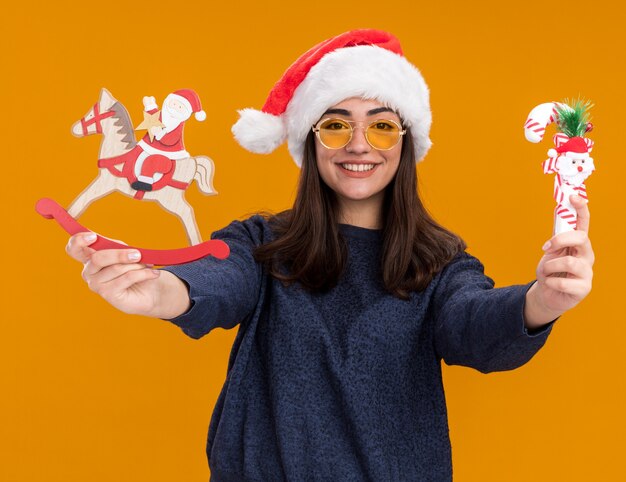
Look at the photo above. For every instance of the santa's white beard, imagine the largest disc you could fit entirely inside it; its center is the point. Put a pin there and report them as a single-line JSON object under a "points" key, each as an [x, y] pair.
{"points": [[171, 119], [576, 179]]}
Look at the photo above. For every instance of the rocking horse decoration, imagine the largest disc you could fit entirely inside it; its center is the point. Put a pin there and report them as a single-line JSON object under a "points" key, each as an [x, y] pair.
{"points": [[157, 168], [569, 160]]}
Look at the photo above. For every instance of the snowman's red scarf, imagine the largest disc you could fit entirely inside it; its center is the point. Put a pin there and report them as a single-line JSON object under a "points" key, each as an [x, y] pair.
{"points": [[123, 166]]}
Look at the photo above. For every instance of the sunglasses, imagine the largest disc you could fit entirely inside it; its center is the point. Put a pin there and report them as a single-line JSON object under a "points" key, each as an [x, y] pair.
{"points": [[381, 134]]}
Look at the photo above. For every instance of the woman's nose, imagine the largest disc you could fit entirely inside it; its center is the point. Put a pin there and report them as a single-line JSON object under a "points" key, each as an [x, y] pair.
{"points": [[358, 143]]}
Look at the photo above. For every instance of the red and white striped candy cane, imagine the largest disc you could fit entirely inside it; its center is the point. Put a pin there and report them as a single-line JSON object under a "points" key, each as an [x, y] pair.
{"points": [[539, 118], [565, 216], [534, 129]]}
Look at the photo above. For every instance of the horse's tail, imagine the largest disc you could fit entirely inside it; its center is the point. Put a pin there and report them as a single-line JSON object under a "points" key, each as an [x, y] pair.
{"points": [[204, 174]]}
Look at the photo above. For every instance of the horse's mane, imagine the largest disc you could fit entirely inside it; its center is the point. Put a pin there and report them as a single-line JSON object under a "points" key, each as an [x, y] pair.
{"points": [[122, 120]]}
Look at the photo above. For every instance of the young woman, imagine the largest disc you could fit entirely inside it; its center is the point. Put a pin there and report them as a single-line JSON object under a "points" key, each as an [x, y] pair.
{"points": [[347, 303]]}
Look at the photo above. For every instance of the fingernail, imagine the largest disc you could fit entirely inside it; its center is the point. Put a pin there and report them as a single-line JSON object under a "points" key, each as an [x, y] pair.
{"points": [[546, 246], [134, 255], [156, 272], [90, 237]]}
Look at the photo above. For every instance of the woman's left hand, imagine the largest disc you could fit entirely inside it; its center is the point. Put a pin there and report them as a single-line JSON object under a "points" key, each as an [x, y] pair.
{"points": [[564, 272]]}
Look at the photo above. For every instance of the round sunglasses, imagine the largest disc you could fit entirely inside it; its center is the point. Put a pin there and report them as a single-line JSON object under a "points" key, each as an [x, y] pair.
{"points": [[381, 134]]}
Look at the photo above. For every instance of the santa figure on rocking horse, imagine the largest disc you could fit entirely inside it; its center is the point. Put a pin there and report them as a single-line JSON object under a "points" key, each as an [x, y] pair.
{"points": [[163, 143], [157, 168]]}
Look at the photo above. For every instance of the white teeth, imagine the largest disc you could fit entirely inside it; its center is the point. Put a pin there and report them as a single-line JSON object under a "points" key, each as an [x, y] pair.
{"points": [[358, 167]]}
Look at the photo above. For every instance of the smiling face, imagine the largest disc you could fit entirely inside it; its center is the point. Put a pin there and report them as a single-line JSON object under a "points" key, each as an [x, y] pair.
{"points": [[358, 173]]}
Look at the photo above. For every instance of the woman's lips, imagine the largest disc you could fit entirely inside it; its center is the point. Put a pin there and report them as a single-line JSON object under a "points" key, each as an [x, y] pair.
{"points": [[357, 174]]}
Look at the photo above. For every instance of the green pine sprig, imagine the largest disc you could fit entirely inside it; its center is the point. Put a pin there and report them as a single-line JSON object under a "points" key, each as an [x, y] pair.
{"points": [[573, 121]]}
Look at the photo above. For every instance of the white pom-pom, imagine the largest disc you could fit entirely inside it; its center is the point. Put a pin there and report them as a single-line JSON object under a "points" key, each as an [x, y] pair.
{"points": [[200, 115], [258, 131], [552, 153]]}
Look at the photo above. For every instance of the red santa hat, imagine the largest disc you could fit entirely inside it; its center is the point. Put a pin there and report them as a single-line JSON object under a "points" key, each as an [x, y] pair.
{"points": [[577, 145], [191, 100], [360, 63]]}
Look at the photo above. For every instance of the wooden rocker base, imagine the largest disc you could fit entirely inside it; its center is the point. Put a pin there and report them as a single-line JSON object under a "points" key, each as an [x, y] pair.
{"points": [[50, 209]]}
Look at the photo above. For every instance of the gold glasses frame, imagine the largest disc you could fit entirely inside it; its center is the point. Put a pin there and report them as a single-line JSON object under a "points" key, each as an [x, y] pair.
{"points": [[353, 125]]}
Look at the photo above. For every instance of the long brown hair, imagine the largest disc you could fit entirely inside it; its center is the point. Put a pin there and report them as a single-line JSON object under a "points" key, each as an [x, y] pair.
{"points": [[308, 247]]}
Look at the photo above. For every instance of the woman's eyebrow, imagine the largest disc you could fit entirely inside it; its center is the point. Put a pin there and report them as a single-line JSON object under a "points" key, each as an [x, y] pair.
{"points": [[378, 110], [338, 111], [345, 112]]}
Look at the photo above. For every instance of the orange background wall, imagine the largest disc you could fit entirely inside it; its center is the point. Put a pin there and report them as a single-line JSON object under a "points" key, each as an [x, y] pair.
{"points": [[89, 393]]}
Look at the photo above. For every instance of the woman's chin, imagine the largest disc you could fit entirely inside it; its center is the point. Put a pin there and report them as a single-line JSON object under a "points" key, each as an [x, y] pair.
{"points": [[357, 195]]}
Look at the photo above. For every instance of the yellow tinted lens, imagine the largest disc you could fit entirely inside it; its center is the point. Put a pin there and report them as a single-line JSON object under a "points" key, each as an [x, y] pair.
{"points": [[335, 133], [383, 134]]}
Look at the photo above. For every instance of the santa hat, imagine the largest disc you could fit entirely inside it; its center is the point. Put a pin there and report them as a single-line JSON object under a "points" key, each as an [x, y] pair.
{"points": [[577, 145], [191, 100], [360, 63]]}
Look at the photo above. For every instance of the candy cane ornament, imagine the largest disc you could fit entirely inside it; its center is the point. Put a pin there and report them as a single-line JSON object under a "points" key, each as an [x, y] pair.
{"points": [[539, 118], [569, 160]]}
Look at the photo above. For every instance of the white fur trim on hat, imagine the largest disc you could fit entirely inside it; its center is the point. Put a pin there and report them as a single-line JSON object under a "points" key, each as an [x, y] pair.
{"points": [[259, 132], [576, 155], [200, 115]]}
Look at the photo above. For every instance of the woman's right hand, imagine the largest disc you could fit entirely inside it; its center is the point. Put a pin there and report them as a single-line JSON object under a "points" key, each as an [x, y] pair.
{"points": [[130, 286]]}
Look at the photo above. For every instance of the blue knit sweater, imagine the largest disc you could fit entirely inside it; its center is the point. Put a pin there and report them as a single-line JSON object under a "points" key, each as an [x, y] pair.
{"points": [[345, 385]]}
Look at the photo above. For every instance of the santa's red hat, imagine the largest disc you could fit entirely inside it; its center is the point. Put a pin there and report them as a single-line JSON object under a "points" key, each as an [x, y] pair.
{"points": [[191, 100], [576, 145], [360, 63]]}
